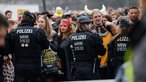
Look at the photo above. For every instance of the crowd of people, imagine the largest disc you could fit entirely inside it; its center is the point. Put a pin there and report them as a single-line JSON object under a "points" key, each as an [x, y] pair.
{"points": [[90, 44]]}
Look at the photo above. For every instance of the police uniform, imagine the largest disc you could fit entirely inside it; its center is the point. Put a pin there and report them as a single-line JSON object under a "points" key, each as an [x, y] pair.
{"points": [[117, 48], [134, 69], [26, 44], [84, 47]]}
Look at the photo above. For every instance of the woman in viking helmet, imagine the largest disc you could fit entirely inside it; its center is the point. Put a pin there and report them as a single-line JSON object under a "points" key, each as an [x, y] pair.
{"points": [[106, 30]]}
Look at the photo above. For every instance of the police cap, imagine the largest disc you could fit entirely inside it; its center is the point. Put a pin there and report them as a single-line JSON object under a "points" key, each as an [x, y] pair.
{"points": [[31, 15], [84, 19], [125, 22]]}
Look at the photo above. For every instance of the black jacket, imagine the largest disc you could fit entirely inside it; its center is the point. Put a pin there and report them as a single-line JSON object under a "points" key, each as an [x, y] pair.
{"points": [[117, 49], [26, 43], [86, 49], [86, 46], [54, 42]]}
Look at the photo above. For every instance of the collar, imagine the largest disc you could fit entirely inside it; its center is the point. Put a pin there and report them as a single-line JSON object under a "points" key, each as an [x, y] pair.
{"points": [[26, 22]]}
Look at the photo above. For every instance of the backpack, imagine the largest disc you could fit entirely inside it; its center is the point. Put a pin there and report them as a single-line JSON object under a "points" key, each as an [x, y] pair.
{"points": [[51, 63]]}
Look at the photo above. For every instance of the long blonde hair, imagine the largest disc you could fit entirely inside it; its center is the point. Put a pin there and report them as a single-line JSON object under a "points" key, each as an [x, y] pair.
{"points": [[48, 28]]}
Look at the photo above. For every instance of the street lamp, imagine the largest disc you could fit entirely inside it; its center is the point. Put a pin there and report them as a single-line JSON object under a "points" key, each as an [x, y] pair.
{"points": [[44, 5]]}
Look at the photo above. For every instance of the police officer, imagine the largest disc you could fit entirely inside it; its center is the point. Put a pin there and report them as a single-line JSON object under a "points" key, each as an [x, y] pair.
{"points": [[85, 47], [26, 44], [134, 69]]}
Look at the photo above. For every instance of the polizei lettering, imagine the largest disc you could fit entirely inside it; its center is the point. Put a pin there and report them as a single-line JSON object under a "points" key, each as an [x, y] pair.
{"points": [[20, 31], [123, 39], [24, 40], [79, 37]]}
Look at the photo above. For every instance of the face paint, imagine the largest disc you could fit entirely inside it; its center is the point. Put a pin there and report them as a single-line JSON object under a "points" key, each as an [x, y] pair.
{"points": [[65, 22]]}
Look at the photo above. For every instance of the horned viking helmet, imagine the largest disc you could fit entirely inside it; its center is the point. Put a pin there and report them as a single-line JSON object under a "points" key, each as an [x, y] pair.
{"points": [[89, 12]]}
